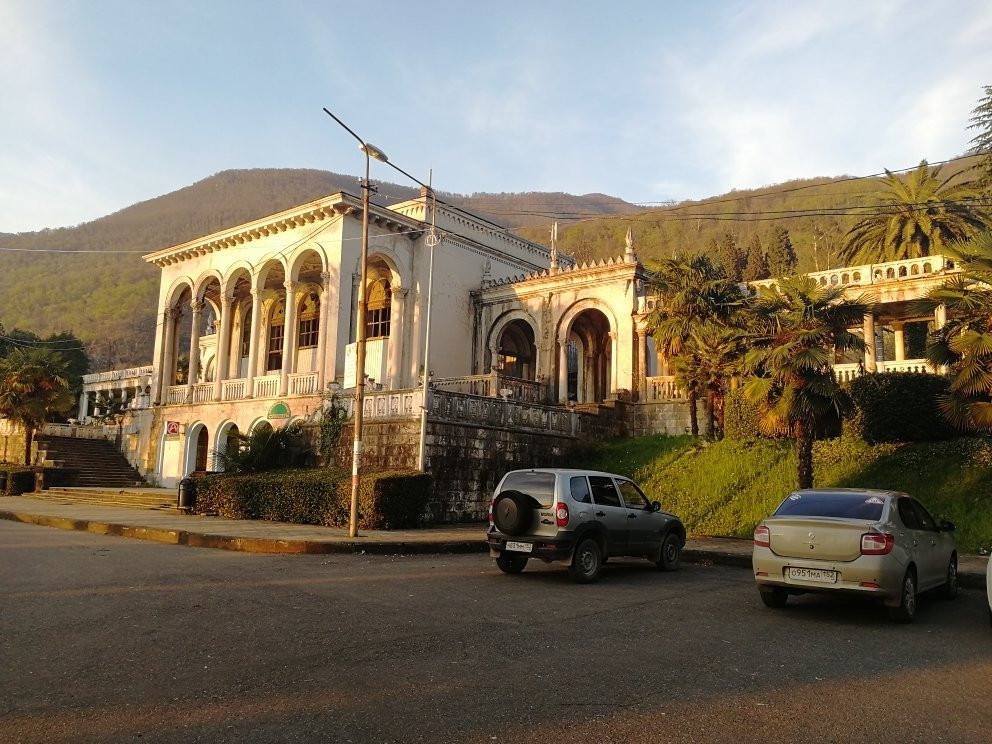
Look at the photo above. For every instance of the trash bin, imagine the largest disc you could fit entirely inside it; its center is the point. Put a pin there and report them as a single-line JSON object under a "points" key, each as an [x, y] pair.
{"points": [[3, 482], [187, 494]]}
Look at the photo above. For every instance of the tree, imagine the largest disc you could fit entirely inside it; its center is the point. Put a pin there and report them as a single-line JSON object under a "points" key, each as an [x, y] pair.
{"points": [[782, 259], [799, 325], [756, 264], [113, 411], [691, 292], [965, 342], [981, 119], [917, 216], [730, 258], [33, 388], [714, 355]]}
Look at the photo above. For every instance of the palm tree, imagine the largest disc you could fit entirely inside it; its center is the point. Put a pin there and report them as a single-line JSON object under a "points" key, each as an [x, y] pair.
{"points": [[918, 216], [965, 342], [715, 354], [691, 291], [799, 326], [33, 388], [114, 411]]}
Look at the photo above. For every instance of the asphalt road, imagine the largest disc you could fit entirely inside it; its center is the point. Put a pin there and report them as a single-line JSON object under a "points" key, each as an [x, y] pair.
{"points": [[106, 639]]}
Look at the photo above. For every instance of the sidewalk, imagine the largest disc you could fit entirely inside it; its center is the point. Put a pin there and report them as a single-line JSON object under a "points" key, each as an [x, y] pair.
{"points": [[253, 536]]}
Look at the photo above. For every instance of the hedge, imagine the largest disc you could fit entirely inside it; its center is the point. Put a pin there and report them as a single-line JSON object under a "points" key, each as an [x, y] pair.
{"points": [[898, 407], [386, 500], [19, 479], [740, 417]]}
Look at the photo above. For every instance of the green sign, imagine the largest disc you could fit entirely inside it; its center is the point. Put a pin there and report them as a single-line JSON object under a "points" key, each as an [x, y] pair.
{"points": [[278, 411]]}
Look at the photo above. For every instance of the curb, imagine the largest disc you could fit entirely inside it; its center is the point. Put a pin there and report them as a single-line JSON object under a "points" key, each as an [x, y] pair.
{"points": [[966, 579]]}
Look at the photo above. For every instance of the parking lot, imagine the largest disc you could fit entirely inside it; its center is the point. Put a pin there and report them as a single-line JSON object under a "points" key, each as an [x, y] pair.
{"points": [[108, 639]]}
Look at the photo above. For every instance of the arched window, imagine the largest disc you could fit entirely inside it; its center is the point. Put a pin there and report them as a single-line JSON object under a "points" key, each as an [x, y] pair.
{"points": [[277, 326], [915, 270], [377, 311], [927, 268], [890, 273], [844, 278], [857, 276], [246, 333], [902, 271], [309, 321]]}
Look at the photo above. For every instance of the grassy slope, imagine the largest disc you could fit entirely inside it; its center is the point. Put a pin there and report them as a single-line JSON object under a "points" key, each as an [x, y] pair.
{"points": [[725, 488]]}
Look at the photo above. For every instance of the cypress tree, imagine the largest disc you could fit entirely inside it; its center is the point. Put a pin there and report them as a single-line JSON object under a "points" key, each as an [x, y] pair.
{"points": [[757, 262]]}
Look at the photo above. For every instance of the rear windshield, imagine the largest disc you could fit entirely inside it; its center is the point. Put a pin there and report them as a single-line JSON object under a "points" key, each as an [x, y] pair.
{"points": [[842, 505], [540, 486]]}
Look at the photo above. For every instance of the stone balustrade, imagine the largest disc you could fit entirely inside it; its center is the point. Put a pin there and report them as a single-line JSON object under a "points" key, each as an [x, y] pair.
{"points": [[303, 383], [267, 386]]}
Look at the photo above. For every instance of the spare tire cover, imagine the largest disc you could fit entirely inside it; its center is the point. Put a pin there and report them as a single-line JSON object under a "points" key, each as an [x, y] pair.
{"points": [[512, 512]]}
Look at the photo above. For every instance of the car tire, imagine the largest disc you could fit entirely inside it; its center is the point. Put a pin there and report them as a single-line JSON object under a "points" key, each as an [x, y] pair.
{"points": [[512, 511], [950, 588], [587, 562], [671, 553], [905, 611], [511, 563], [773, 596]]}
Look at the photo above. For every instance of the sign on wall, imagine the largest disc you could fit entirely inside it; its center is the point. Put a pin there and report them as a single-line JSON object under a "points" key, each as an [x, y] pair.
{"points": [[172, 429], [278, 412]]}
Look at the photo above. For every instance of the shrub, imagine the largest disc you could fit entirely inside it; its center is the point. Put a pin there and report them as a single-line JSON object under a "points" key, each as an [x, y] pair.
{"points": [[386, 500], [898, 407], [740, 417], [19, 480]]}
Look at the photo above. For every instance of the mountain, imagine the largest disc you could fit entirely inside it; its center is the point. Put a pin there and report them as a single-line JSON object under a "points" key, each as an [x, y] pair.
{"points": [[107, 295]]}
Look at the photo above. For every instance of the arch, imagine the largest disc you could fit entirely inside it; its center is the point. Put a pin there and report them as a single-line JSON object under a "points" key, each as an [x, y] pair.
{"points": [[927, 268], [585, 330], [261, 421], [857, 276], [902, 272], [834, 279], [845, 278], [175, 291], [195, 455], [388, 259], [587, 303], [516, 350], [263, 268], [915, 270], [890, 273], [204, 281], [298, 260], [823, 281], [234, 272], [226, 430], [501, 322]]}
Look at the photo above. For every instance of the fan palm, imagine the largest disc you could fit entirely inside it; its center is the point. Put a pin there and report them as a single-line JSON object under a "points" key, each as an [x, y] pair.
{"points": [[33, 388], [714, 355], [918, 216], [965, 342], [798, 327], [691, 292]]}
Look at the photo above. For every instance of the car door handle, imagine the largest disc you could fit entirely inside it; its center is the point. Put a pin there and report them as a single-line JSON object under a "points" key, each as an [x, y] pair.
{"points": [[631, 516], [600, 514]]}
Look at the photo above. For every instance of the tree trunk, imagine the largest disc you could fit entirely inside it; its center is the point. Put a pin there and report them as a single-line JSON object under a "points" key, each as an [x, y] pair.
{"points": [[710, 413], [28, 438], [693, 418], [804, 448], [720, 413]]}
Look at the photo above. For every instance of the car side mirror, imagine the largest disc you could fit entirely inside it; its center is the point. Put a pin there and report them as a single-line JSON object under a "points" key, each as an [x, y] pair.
{"points": [[946, 526], [656, 506]]}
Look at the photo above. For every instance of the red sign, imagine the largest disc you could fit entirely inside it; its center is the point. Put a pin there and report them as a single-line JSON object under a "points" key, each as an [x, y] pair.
{"points": [[172, 427]]}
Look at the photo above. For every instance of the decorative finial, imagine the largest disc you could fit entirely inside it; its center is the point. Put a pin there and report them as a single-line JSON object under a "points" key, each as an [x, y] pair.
{"points": [[487, 275], [554, 248], [628, 253]]}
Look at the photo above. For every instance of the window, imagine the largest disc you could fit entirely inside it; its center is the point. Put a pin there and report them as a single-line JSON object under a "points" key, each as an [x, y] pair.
{"points": [[632, 496], [309, 321], [908, 515], [246, 334], [926, 521], [275, 347], [539, 486], [377, 312], [580, 489], [604, 492], [864, 505]]}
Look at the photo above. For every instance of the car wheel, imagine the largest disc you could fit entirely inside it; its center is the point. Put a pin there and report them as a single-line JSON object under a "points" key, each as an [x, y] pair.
{"points": [[905, 611], [671, 553], [773, 596], [950, 588], [512, 512], [511, 563], [587, 563]]}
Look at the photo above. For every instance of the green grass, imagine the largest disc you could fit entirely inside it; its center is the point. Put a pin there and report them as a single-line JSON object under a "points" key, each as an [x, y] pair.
{"points": [[725, 488]]}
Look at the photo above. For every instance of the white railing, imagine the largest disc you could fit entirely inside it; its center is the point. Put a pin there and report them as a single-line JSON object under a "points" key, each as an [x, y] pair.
{"points": [[176, 395], [494, 385], [662, 388], [114, 375], [908, 365], [267, 386], [80, 431], [233, 389], [386, 404], [303, 383], [203, 392], [847, 372]]}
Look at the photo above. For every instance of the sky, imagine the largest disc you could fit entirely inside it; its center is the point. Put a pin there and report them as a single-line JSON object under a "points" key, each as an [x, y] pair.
{"points": [[105, 104]]}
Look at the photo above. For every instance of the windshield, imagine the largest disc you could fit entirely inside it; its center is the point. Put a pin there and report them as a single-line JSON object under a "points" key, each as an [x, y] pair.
{"points": [[840, 505], [540, 486]]}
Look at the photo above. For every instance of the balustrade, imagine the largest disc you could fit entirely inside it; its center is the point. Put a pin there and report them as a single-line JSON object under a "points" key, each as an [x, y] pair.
{"points": [[203, 392], [233, 389], [267, 386], [176, 395], [663, 388], [303, 383]]}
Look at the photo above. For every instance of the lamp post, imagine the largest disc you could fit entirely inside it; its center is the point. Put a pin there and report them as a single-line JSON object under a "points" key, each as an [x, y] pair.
{"points": [[371, 151]]}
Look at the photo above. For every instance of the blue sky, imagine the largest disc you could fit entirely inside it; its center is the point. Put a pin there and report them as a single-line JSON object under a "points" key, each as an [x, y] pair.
{"points": [[107, 103]]}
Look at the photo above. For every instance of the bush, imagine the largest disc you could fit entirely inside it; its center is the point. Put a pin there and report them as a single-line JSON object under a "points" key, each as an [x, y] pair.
{"points": [[898, 407], [386, 500], [19, 479], [740, 417]]}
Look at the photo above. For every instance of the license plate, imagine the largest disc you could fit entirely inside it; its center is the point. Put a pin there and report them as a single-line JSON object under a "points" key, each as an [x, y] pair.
{"points": [[520, 547], [813, 574]]}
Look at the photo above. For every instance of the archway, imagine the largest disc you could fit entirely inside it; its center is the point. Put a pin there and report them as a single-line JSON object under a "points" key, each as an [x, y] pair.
{"points": [[516, 352], [226, 442], [589, 357], [197, 449]]}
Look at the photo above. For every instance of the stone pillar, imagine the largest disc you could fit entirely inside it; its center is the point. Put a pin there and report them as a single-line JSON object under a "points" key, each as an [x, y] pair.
{"points": [[641, 382], [614, 365], [397, 333], [256, 325], [563, 371], [871, 364], [325, 279], [223, 346], [194, 349], [940, 316], [84, 404], [289, 338], [167, 370], [898, 329]]}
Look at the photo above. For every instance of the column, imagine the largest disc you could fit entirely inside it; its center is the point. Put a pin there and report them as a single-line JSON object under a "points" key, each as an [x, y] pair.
{"points": [[84, 401], [256, 325], [289, 338], [166, 374], [223, 346], [563, 371], [871, 364], [194, 349], [940, 316], [396, 338], [642, 364], [898, 330], [613, 365], [325, 279]]}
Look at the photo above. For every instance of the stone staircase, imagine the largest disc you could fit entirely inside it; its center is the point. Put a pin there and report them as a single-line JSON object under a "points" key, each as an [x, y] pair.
{"points": [[135, 498], [97, 461]]}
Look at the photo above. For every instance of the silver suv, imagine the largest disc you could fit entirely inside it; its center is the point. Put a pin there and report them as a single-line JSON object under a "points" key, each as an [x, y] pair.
{"points": [[581, 518]]}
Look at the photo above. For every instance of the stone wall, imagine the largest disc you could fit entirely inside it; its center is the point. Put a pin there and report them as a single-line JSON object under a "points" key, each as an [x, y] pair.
{"points": [[12, 444]]}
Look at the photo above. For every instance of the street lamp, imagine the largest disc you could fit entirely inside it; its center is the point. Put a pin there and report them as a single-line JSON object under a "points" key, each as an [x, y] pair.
{"points": [[371, 151]]}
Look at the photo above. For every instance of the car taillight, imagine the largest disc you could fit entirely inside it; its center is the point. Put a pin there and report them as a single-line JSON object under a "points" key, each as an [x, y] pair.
{"points": [[491, 502], [877, 543], [762, 536], [561, 514]]}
